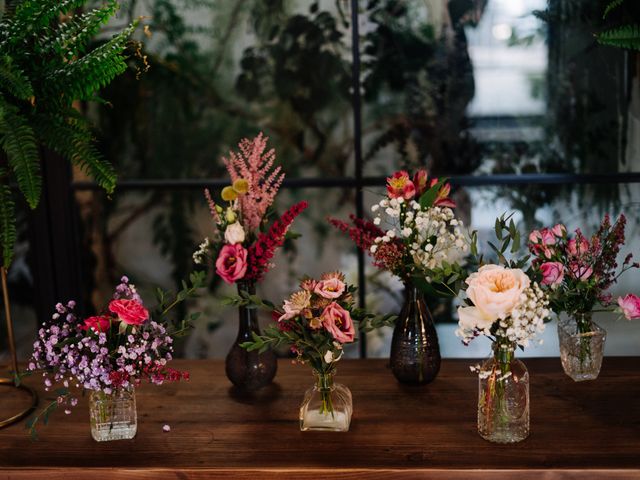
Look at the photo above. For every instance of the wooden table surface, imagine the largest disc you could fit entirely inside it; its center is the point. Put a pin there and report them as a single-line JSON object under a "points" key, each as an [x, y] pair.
{"points": [[396, 431]]}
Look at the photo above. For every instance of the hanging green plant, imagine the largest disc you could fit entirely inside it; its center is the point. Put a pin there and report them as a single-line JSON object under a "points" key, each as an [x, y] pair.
{"points": [[621, 36], [45, 66]]}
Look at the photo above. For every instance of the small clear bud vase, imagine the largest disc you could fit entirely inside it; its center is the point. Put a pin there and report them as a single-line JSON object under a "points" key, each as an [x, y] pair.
{"points": [[113, 416], [581, 346], [327, 406], [503, 399]]}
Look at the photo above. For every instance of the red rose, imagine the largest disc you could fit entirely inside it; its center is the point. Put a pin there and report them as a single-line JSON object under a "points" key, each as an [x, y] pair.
{"points": [[131, 312], [97, 324], [231, 264]]}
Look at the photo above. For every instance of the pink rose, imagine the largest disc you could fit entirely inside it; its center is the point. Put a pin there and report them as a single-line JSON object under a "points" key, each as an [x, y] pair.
{"points": [[331, 288], [131, 312], [552, 273], [97, 324], [400, 186], [548, 237], [630, 306], [559, 230], [580, 271], [231, 264], [547, 252], [337, 321], [575, 249]]}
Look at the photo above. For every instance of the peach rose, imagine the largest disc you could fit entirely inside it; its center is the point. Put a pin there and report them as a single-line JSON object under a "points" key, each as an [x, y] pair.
{"points": [[494, 291]]}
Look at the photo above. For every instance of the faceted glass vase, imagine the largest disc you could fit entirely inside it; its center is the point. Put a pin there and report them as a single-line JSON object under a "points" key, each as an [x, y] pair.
{"points": [[327, 406], [581, 347], [113, 416], [415, 351], [503, 398], [249, 371]]}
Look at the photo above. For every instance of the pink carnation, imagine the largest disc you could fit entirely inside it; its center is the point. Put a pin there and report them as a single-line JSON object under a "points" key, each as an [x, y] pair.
{"points": [[131, 312]]}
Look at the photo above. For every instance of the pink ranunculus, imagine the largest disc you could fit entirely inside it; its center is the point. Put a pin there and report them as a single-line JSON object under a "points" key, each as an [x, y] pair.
{"points": [[559, 230], [337, 321], [231, 264], [131, 312], [535, 237], [576, 249], [399, 185], [420, 181], [630, 306], [100, 323], [548, 237], [552, 273], [331, 288], [580, 271]]}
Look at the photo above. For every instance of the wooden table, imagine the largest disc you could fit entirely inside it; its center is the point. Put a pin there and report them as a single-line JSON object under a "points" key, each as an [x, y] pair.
{"points": [[396, 432]]}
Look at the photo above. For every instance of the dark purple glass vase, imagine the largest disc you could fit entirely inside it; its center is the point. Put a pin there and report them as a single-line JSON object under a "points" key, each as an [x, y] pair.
{"points": [[415, 352], [249, 371]]}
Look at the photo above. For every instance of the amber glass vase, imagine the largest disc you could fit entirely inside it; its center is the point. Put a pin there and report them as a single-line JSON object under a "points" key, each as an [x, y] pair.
{"points": [[249, 371], [415, 352]]}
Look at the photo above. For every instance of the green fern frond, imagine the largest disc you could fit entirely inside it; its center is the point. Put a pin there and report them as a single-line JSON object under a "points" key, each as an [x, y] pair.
{"points": [[8, 233], [627, 36], [14, 81], [83, 78], [37, 14], [71, 137], [74, 35], [19, 143], [612, 6]]}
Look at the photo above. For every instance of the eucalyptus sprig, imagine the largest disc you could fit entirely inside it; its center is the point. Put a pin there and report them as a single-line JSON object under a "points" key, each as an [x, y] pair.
{"points": [[506, 247]]}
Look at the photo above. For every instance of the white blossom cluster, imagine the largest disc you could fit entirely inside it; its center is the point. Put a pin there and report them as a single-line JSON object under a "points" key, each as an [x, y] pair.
{"points": [[433, 235], [200, 254]]}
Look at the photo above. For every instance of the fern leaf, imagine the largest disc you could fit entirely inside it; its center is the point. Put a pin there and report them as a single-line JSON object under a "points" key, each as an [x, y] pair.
{"points": [[38, 14], [71, 137], [612, 6], [627, 36], [83, 78], [14, 81], [8, 233], [72, 37], [19, 143]]}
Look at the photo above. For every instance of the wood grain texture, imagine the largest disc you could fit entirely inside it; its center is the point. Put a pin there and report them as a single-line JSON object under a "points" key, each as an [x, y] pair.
{"points": [[396, 432]]}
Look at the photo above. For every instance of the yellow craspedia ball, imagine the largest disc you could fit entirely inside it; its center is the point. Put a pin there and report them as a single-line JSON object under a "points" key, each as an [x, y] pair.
{"points": [[229, 194], [241, 186]]}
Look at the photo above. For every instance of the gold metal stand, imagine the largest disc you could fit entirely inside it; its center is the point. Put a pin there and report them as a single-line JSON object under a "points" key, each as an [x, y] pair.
{"points": [[14, 359]]}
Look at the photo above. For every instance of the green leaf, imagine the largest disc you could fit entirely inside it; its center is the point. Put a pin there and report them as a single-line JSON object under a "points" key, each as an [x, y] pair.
{"points": [[627, 36], [14, 81], [8, 233], [611, 6], [19, 143], [428, 197]]}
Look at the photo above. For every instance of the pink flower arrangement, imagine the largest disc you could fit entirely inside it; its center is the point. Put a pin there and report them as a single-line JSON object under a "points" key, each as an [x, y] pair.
{"points": [[240, 250], [317, 321], [577, 271], [120, 348]]}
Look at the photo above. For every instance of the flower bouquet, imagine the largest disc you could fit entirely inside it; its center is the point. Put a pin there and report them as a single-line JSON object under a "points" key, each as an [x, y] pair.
{"points": [[415, 236], [576, 273], [108, 355], [316, 322], [505, 305], [243, 247]]}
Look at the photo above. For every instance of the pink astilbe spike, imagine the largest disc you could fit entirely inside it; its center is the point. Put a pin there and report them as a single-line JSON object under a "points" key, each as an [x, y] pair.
{"points": [[256, 167], [212, 206]]}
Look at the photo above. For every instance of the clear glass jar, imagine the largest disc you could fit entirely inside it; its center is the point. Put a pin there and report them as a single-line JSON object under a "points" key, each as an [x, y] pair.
{"points": [[113, 416], [327, 406], [581, 346], [503, 397]]}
